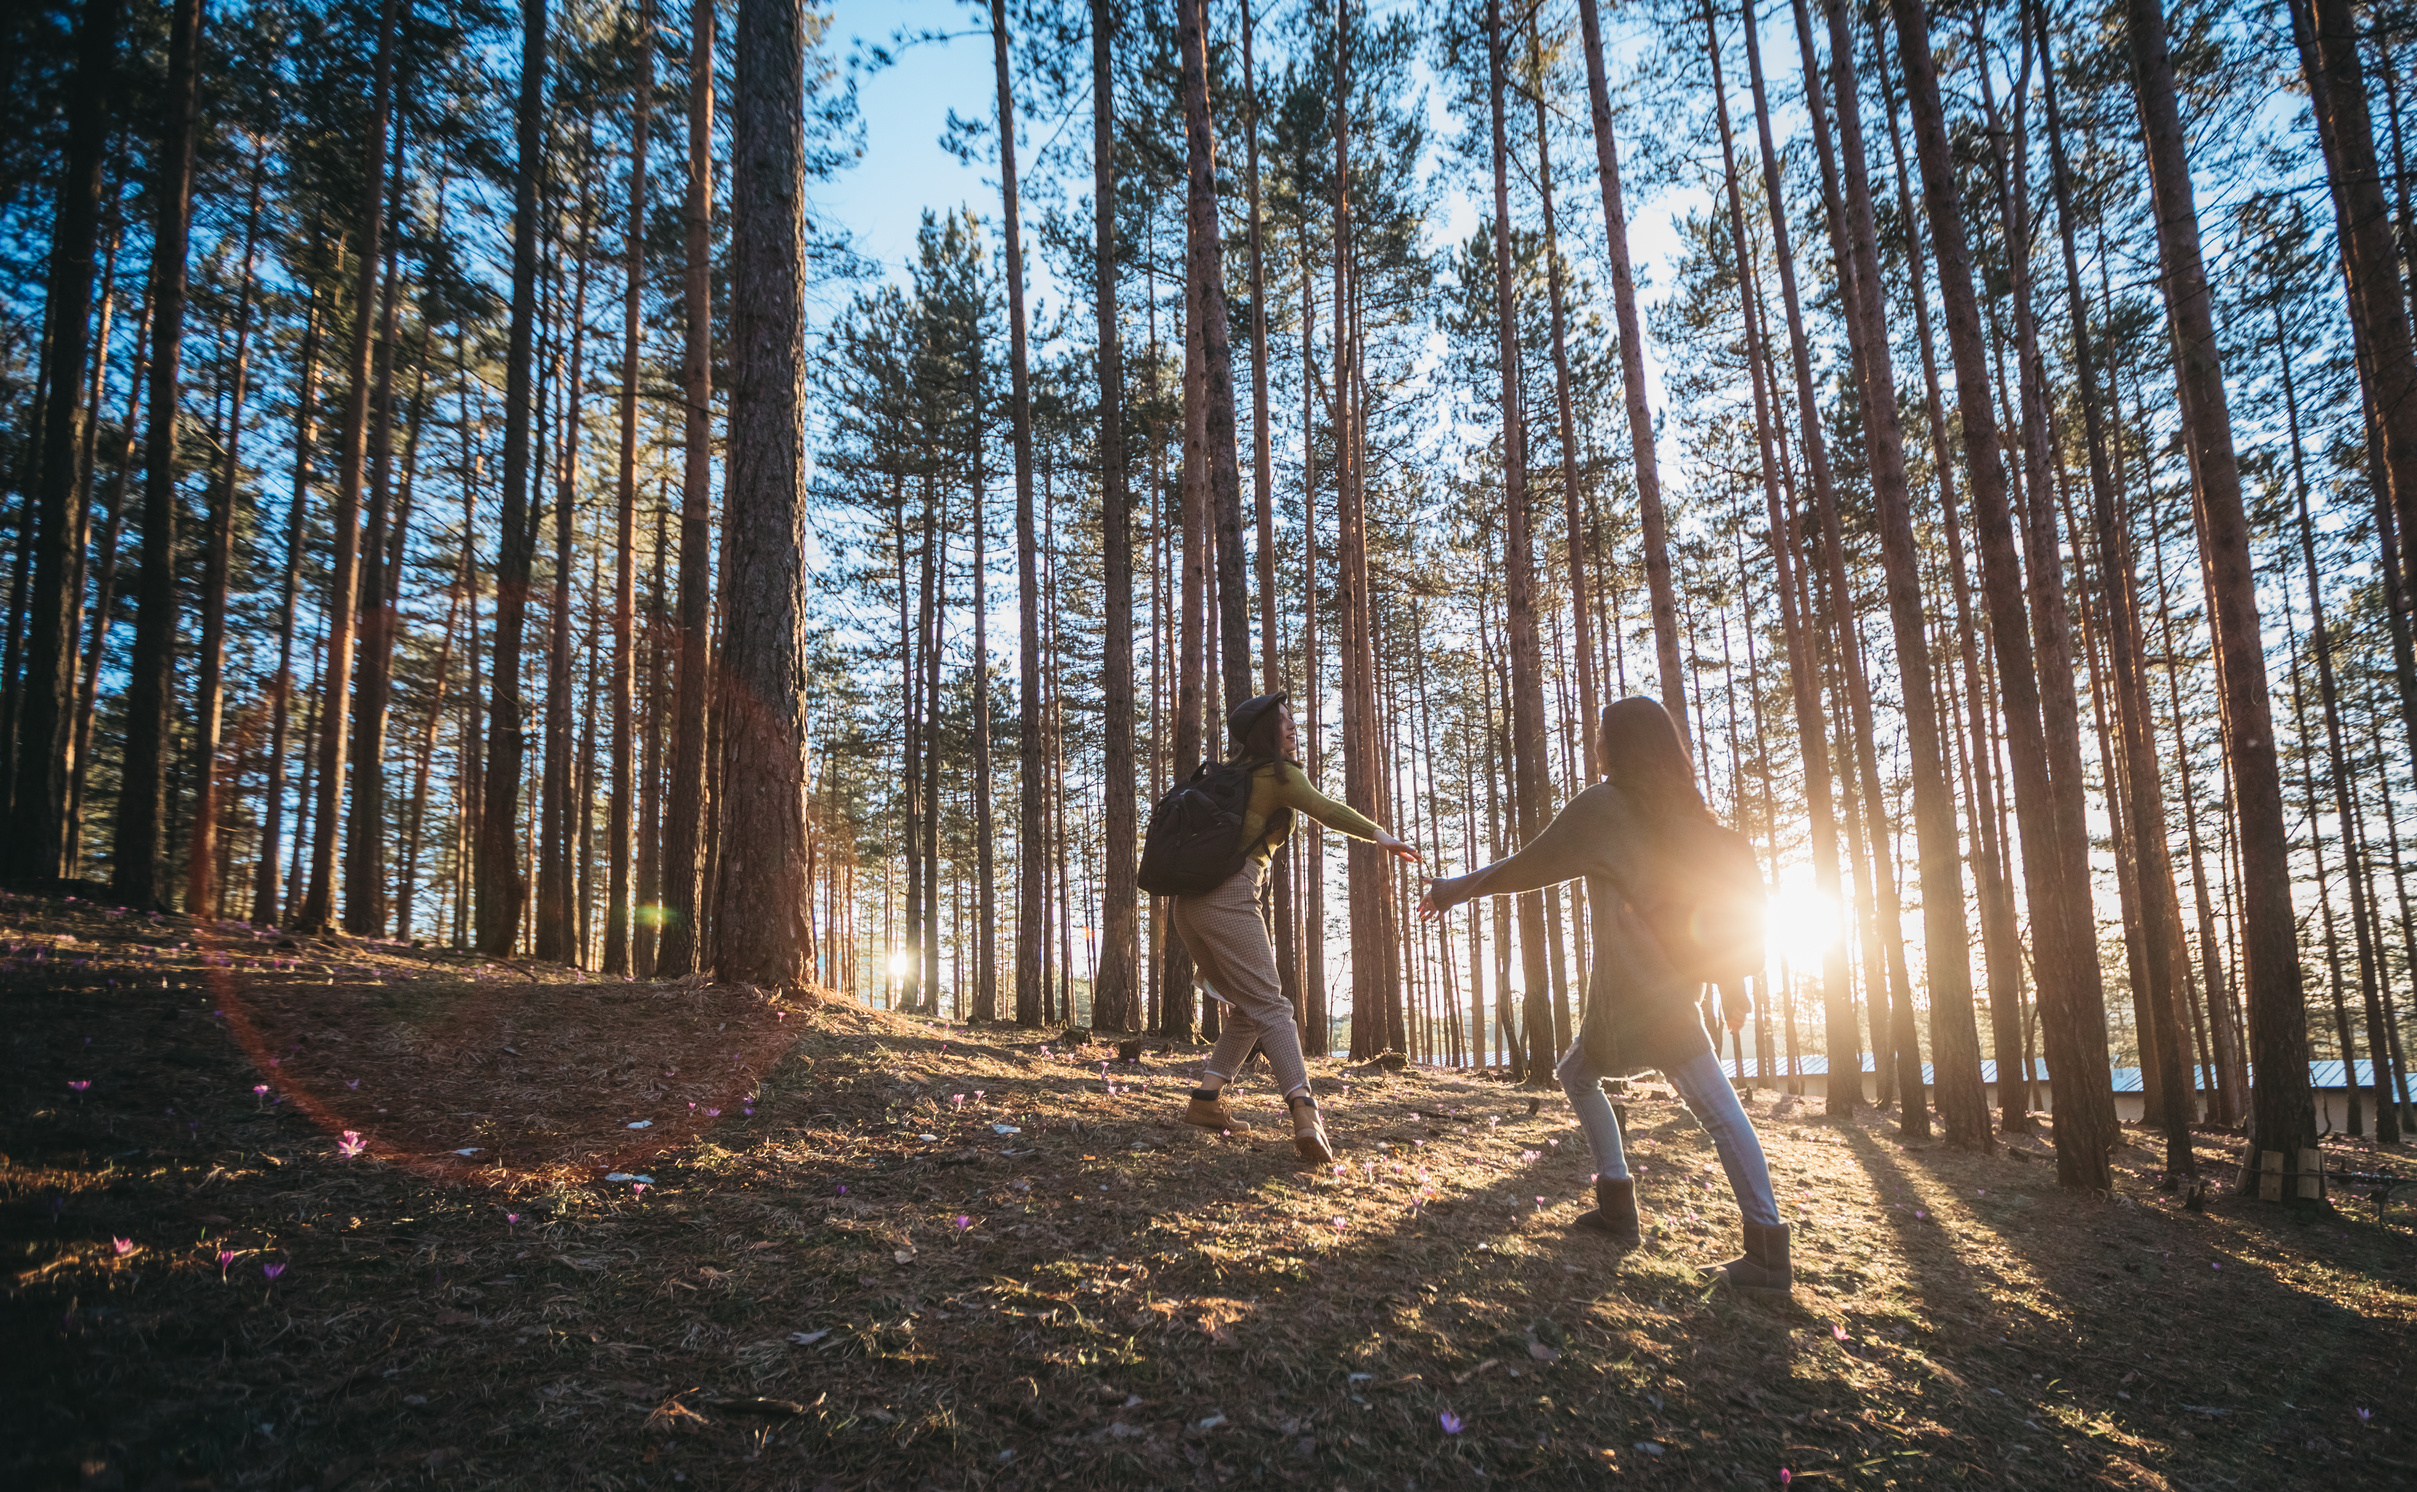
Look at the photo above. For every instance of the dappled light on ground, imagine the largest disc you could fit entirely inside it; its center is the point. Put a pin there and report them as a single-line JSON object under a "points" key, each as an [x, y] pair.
{"points": [[907, 1254]]}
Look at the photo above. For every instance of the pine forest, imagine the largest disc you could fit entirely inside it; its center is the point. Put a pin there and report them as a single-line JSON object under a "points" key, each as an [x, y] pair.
{"points": [[466, 494]]}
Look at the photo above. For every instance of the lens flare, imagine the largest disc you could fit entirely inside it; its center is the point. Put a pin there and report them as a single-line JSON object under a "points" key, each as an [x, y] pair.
{"points": [[1803, 924]]}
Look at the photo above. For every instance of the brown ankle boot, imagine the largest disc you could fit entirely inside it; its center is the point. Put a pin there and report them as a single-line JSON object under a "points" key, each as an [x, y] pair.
{"points": [[1615, 1211], [1309, 1129], [1764, 1269], [1208, 1110]]}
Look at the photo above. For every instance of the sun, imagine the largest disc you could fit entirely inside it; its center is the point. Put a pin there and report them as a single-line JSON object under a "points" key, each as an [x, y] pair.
{"points": [[1803, 924]]}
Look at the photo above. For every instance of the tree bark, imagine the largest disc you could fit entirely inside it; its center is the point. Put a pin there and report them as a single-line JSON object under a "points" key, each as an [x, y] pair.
{"points": [[1032, 805], [618, 831], [267, 901], [364, 850], [677, 954], [318, 903], [151, 673], [763, 931], [1582, 640], [556, 939], [1530, 770], [38, 803], [1115, 991], [1205, 269], [2065, 948], [2160, 906], [1803, 649], [209, 694], [1651, 517], [2327, 34], [2283, 1114], [502, 887]]}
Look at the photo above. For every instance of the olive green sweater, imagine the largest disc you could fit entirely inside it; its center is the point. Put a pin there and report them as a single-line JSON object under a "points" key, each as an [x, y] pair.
{"points": [[1283, 785]]}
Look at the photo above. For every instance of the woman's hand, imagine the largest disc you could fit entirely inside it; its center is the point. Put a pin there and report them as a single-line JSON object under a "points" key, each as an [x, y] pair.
{"points": [[1399, 849], [1429, 908]]}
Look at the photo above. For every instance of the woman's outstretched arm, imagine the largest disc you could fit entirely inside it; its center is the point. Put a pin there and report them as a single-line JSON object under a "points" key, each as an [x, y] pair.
{"points": [[1293, 791], [1583, 838]]}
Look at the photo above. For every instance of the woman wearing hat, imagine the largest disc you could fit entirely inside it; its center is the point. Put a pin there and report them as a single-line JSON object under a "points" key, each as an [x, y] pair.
{"points": [[1228, 940]]}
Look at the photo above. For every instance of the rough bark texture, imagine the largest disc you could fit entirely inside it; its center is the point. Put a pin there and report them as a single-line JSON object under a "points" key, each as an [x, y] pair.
{"points": [[2073, 1017], [503, 888], [1530, 769], [2144, 793], [2282, 1107], [763, 934], [1115, 1003], [209, 692], [684, 819], [619, 828], [1206, 271], [1032, 806], [267, 901], [151, 672], [38, 806]]}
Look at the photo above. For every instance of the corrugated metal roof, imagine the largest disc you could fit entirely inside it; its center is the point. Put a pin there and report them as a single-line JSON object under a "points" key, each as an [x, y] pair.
{"points": [[2321, 1075]]}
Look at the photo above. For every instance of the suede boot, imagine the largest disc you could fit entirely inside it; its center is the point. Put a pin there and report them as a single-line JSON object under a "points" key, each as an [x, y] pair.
{"points": [[1615, 1211], [1764, 1269], [1309, 1129], [1208, 1110]]}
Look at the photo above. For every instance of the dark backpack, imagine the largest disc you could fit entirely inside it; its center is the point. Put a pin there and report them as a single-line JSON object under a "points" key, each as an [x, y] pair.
{"points": [[1194, 842], [1706, 905]]}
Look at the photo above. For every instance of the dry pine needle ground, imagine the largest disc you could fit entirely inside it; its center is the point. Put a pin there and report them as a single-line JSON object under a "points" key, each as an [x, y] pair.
{"points": [[852, 1250]]}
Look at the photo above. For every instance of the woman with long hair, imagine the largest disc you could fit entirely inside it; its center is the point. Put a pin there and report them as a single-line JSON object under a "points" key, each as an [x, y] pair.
{"points": [[1229, 941], [1631, 836]]}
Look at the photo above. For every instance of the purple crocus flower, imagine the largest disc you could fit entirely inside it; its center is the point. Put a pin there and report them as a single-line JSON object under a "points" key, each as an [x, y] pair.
{"points": [[1452, 1423], [78, 1085], [225, 1258], [124, 1246], [272, 1270]]}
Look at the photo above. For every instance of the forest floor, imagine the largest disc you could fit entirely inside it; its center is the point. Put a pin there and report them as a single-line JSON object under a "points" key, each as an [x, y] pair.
{"points": [[622, 1235]]}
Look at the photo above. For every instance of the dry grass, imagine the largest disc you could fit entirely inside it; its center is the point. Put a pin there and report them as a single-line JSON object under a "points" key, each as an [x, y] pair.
{"points": [[865, 1283]]}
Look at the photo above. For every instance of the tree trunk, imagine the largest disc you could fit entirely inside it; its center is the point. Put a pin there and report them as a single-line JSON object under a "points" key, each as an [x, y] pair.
{"points": [[555, 933], [652, 732], [38, 803], [1803, 650], [1205, 270], [364, 849], [201, 860], [2363, 920], [318, 904], [105, 571], [2327, 32], [2283, 1115], [1580, 593], [151, 673], [502, 889], [266, 898], [1530, 770], [1115, 990], [2160, 907], [2064, 945], [2052, 631], [1032, 804], [677, 954], [1271, 672], [762, 928], [618, 832], [1654, 523]]}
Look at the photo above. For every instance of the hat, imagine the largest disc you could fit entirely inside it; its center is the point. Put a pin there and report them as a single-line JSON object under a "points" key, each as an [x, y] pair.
{"points": [[1244, 717]]}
